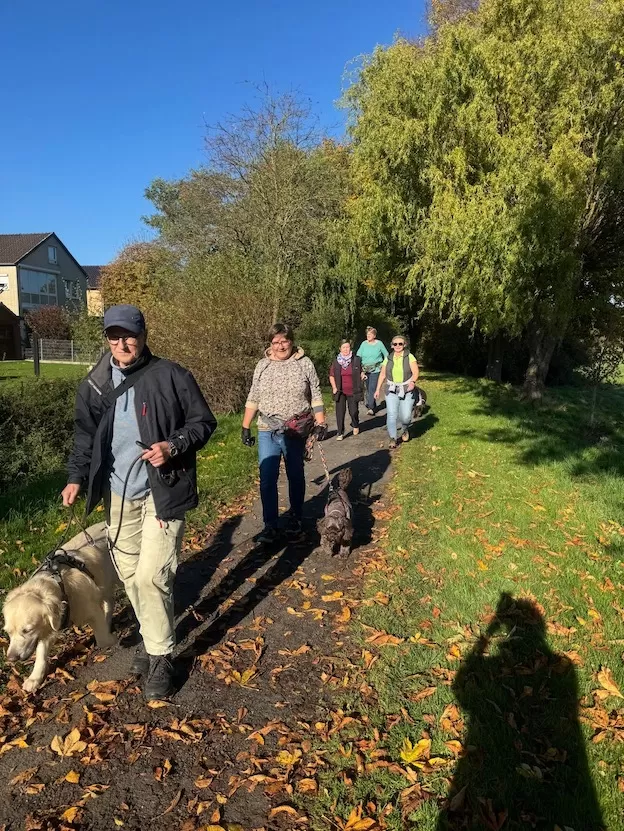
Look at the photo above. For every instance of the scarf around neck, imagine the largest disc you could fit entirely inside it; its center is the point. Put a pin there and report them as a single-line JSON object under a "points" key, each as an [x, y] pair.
{"points": [[344, 360]]}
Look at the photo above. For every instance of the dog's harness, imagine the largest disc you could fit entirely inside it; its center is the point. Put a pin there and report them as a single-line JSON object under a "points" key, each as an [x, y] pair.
{"points": [[335, 495], [52, 565]]}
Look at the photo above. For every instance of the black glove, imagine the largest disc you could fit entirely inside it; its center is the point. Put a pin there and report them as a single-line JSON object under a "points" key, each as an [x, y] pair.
{"points": [[320, 431], [246, 437]]}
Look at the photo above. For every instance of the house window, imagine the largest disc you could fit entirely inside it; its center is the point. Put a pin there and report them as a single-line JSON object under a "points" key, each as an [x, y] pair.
{"points": [[72, 290], [37, 288], [52, 254]]}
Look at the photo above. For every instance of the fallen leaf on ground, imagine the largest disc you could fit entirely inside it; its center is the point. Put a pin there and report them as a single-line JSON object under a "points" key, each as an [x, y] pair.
{"points": [[419, 696], [379, 638], [307, 786], [605, 679], [70, 814], [411, 753], [70, 745]]}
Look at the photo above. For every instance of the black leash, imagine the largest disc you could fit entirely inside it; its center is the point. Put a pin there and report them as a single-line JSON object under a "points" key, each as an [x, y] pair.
{"points": [[111, 545]]}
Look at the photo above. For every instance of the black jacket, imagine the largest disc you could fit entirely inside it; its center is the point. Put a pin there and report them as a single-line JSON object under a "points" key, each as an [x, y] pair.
{"points": [[356, 369], [169, 407]]}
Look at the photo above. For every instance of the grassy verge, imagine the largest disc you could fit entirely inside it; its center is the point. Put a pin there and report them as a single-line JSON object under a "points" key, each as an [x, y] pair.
{"points": [[18, 372], [31, 519], [492, 645]]}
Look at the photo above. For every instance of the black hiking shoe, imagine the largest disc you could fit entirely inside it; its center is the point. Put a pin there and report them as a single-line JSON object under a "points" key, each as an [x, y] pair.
{"points": [[140, 660], [268, 536], [159, 682]]}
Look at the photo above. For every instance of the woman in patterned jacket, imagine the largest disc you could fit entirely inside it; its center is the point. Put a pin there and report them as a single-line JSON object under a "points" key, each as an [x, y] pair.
{"points": [[284, 384]]}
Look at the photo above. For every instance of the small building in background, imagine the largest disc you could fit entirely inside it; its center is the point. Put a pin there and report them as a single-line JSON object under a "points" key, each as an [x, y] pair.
{"points": [[95, 306], [38, 270]]}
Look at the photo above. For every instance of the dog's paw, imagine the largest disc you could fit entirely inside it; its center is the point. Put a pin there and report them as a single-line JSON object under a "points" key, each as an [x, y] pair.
{"points": [[31, 684], [107, 642]]}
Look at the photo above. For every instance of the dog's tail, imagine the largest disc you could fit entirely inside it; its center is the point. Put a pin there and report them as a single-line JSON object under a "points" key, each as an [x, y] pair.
{"points": [[344, 478]]}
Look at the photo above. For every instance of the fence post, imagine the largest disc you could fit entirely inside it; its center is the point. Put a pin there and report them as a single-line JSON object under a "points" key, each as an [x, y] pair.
{"points": [[72, 350], [36, 357], [41, 349]]}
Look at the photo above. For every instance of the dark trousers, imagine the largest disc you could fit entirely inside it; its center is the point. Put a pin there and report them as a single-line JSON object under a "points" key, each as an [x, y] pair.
{"points": [[341, 409]]}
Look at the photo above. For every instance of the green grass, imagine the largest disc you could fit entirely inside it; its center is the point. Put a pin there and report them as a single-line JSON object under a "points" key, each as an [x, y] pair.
{"points": [[31, 519], [502, 573], [18, 372]]}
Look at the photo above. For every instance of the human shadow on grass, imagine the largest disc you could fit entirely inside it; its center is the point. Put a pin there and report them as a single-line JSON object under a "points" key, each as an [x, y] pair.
{"points": [[557, 430], [525, 764], [366, 470]]}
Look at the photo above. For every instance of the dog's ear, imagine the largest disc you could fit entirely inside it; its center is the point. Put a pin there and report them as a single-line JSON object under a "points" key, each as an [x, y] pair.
{"points": [[344, 478], [53, 612]]}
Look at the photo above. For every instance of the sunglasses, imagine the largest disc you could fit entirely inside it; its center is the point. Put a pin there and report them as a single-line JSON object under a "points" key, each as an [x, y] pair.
{"points": [[129, 340], [397, 343]]}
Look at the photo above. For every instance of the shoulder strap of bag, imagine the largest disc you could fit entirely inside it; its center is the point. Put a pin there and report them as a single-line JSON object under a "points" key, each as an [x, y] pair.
{"points": [[109, 398]]}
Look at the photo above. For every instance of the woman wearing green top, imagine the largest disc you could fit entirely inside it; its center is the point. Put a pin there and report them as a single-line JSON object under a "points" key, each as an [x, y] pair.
{"points": [[400, 372], [372, 352]]}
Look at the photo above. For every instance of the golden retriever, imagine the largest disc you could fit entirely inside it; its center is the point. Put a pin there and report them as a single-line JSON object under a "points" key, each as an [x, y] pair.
{"points": [[33, 612]]}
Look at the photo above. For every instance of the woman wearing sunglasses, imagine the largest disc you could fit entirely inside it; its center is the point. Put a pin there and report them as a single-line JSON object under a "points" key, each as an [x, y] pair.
{"points": [[399, 372]]}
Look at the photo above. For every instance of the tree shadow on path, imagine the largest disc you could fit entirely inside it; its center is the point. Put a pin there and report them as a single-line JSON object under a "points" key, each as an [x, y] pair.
{"points": [[558, 430], [525, 764], [201, 633]]}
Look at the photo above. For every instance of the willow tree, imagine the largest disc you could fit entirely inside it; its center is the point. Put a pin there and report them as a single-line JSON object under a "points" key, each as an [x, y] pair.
{"points": [[489, 160]]}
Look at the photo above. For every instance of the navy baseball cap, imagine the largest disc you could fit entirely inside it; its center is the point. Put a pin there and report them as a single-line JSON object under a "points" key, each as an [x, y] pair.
{"points": [[126, 317]]}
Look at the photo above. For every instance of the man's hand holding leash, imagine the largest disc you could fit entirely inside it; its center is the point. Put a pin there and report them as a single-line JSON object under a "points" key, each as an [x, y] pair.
{"points": [[158, 454], [70, 494]]}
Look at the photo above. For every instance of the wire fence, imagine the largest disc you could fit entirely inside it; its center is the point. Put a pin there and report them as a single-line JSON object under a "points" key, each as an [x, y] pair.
{"points": [[64, 351]]}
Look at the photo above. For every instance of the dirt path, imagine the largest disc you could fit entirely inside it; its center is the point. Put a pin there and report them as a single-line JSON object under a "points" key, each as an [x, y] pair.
{"points": [[258, 636]]}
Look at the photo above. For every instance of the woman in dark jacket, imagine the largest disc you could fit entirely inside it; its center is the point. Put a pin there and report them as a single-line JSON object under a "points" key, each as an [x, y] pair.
{"points": [[345, 377]]}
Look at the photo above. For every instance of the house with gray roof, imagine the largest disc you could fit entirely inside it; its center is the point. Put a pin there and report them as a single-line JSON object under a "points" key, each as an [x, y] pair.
{"points": [[38, 270]]}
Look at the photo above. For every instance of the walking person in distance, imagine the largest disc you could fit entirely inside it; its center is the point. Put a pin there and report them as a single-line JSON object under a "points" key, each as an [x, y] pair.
{"points": [[286, 397], [372, 353], [345, 377], [399, 373], [133, 396]]}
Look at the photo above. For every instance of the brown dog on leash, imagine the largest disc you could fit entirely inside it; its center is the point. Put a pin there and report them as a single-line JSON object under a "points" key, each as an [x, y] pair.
{"points": [[336, 527]]}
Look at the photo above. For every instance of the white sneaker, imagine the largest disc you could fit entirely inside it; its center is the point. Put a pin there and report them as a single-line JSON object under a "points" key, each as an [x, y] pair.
{"points": [[339, 437], [356, 431]]}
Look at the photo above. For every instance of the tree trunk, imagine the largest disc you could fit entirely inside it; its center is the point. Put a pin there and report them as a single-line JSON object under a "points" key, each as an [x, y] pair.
{"points": [[496, 348], [592, 415], [541, 347]]}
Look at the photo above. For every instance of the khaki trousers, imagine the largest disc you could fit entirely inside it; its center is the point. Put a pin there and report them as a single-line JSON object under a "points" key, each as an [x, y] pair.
{"points": [[146, 559]]}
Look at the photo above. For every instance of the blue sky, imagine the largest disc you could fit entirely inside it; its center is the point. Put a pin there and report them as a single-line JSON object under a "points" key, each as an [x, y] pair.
{"points": [[100, 97]]}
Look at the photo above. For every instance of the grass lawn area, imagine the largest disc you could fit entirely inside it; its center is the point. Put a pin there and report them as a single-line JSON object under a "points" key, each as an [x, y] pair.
{"points": [[17, 372], [31, 519], [492, 648]]}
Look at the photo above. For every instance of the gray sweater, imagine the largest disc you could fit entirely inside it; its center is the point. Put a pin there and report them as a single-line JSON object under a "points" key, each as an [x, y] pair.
{"points": [[124, 449]]}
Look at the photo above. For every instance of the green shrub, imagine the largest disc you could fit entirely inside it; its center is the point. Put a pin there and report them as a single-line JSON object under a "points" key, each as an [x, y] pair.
{"points": [[36, 428], [327, 323]]}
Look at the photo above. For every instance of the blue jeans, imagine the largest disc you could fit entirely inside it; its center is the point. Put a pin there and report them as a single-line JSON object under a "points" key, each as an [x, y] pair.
{"points": [[371, 386], [271, 448], [399, 413]]}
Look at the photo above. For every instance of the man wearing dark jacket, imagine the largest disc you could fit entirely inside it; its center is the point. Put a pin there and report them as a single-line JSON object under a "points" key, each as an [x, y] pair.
{"points": [[133, 397]]}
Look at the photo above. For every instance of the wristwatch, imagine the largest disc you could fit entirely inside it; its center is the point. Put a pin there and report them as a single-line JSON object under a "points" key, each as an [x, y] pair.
{"points": [[173, 450]]}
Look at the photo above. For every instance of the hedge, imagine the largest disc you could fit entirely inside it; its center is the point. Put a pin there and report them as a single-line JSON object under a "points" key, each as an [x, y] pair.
{"points": [[36, 429]]}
